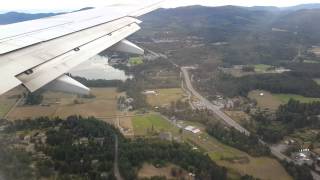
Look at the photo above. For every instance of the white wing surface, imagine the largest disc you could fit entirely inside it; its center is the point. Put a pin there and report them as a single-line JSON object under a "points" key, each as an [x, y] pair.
{"points": [[38, 53]]}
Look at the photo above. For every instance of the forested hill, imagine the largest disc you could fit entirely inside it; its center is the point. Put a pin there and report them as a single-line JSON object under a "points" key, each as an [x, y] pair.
{"points": [[254, 35]]}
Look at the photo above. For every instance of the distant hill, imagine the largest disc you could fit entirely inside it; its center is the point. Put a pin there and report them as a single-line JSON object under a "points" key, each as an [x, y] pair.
{"points": [[14, 17], [303, 6]]}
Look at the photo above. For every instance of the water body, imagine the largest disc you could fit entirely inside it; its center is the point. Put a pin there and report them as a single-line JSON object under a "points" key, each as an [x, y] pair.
{"points": [[98, 68]]}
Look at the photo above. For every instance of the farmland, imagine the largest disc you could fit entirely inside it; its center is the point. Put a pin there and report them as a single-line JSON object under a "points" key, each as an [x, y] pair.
{"points": [[103, 105], [237, 162]]}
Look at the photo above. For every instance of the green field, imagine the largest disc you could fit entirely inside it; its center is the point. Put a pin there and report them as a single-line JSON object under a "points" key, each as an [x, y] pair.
{"points": [[317, 81], [143, 125], [135, 60], [284, 98], [261, 67]]}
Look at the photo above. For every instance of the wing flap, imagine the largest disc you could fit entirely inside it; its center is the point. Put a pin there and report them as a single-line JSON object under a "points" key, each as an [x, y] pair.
{"points": [[47, 72]]}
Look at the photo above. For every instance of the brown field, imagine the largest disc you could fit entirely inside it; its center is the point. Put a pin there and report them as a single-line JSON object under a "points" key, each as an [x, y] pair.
{"points": [[62, 105], [165, 96], [267, 101], [148, 171]]}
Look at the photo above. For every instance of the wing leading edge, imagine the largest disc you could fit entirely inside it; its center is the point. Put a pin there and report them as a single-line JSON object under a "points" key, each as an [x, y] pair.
{"points": [[40, 55]]}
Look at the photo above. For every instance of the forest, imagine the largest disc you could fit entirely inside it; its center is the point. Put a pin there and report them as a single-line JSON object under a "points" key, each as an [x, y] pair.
{"points": [[289, 117], [83, 148], [275, 83]]}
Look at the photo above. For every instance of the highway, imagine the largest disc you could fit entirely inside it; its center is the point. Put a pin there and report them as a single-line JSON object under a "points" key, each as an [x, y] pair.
{"points": [[209, 105]]}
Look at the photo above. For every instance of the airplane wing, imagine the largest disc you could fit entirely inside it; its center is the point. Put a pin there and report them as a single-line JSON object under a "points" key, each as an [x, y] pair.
{"points": [[38, 53]]}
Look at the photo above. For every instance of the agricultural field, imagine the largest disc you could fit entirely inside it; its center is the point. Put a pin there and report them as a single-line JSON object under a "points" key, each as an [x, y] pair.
{"points": [[265, 101], [237, 162], [165, 96], [135, 61], [284, 98], [151, 123], [103, 105]]}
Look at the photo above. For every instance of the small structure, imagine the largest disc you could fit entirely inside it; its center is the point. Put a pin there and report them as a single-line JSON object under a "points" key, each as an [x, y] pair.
{"points": [[149, 92], [192, 129]]}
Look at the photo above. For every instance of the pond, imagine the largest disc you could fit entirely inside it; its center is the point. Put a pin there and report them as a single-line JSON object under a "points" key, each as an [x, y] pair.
{"points": [[98, 68]]}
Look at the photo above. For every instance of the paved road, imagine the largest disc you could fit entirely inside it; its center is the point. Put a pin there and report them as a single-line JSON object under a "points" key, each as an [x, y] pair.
{"points": [[209, 105], [116, 167], [274, 149]]}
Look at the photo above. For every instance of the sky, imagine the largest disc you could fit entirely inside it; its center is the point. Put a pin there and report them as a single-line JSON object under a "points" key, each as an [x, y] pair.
{"points": [[67, 5]]}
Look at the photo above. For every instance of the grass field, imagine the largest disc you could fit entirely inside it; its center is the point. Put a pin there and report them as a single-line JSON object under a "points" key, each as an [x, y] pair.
{"points": [[267, 101], [135, 61], [165, 96], [237, 162], [261, 67], [143, 125], [317, 81], [284, 98]]}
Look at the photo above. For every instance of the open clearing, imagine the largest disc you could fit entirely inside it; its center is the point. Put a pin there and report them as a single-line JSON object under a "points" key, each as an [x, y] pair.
{"points": [[284, 98], [165, 96], [265, 101], [317, 81], [103, 106], [261, 68], [148, 171]]}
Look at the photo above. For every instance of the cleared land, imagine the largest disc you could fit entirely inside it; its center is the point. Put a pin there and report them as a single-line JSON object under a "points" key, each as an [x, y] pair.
{"points": [[265, 101], [103, 106], [317, 81], [8, 100], [148, 171], [165, 96]]}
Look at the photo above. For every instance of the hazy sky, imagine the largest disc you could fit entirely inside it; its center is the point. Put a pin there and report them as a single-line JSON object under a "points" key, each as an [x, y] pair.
{"points": [[61, 5]]}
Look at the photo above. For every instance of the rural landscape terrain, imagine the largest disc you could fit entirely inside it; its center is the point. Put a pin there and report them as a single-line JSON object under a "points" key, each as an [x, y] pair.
{"points": [[221, 93]]}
